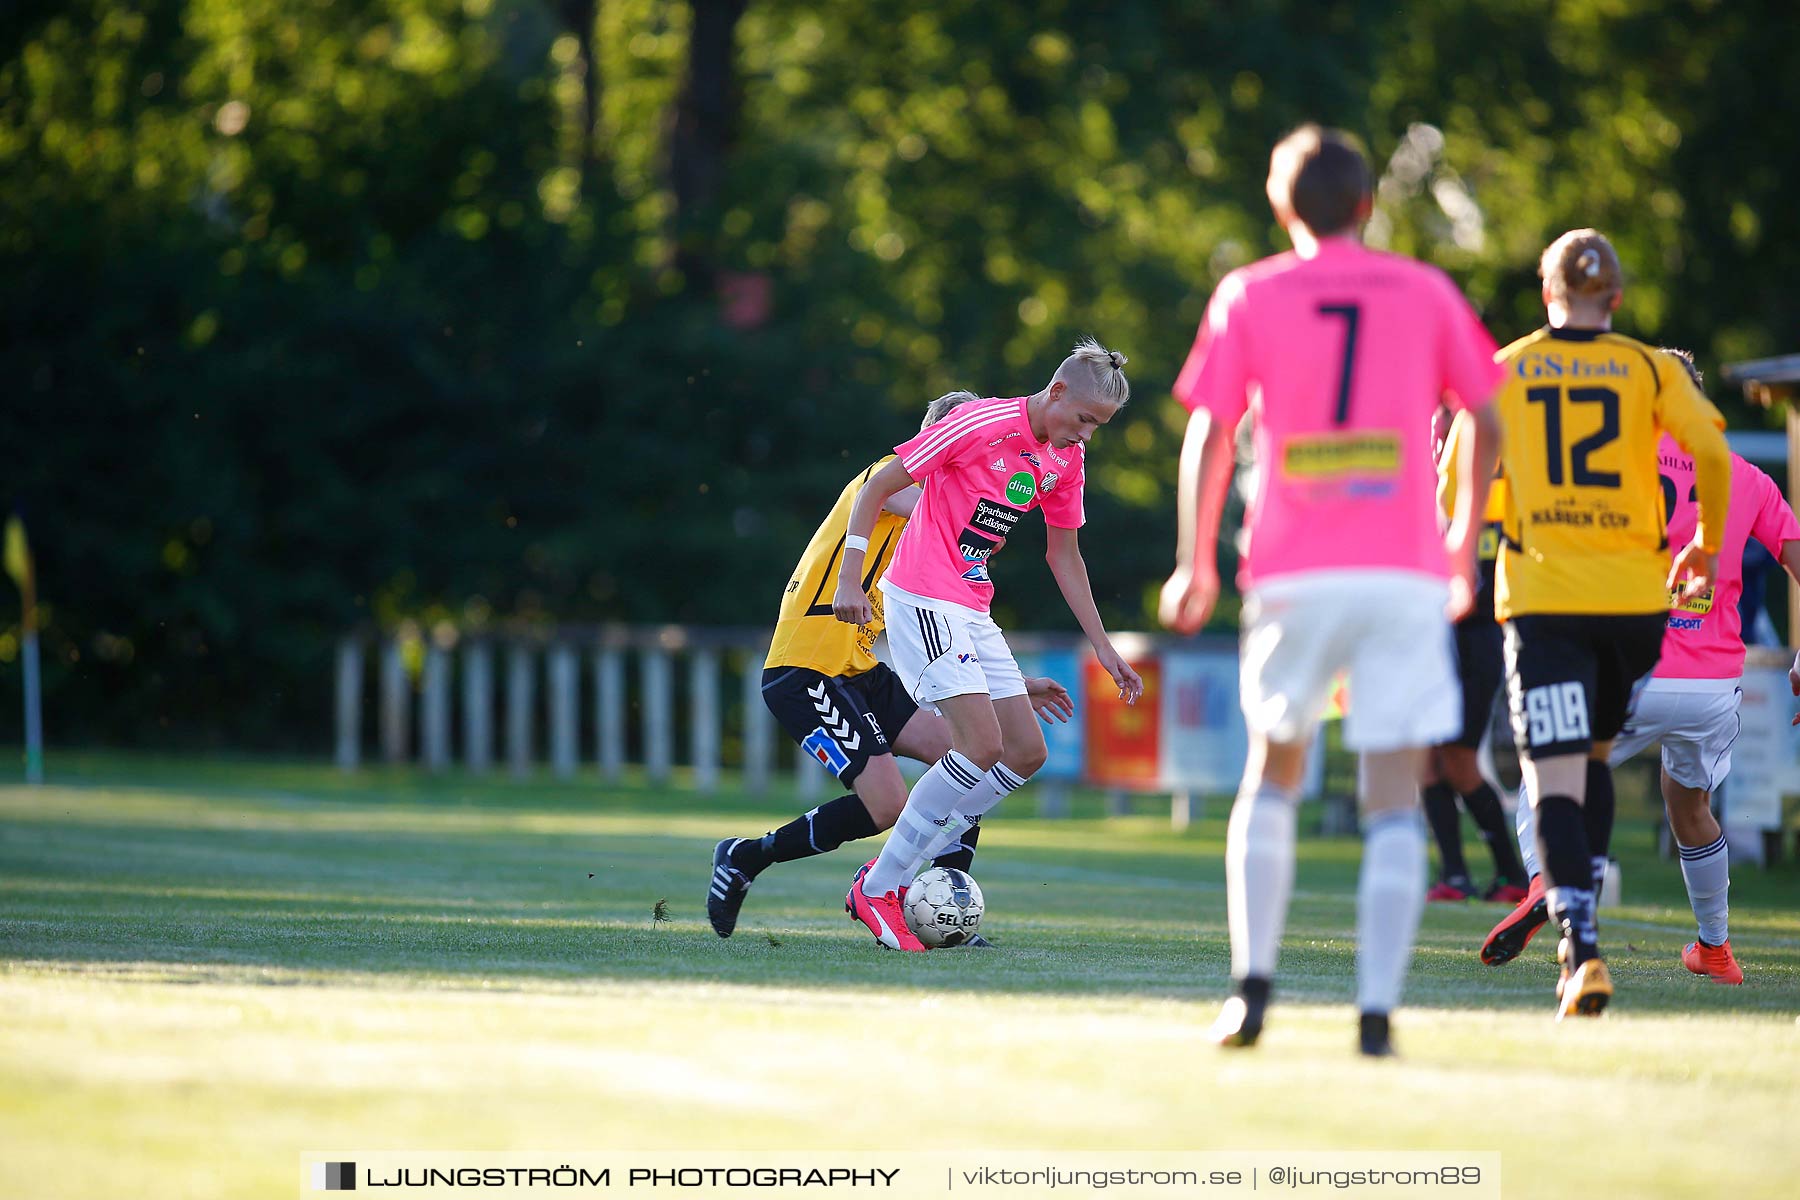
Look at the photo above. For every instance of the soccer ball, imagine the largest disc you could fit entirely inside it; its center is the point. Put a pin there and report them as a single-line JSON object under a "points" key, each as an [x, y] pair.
{"points": [[943, 907]]}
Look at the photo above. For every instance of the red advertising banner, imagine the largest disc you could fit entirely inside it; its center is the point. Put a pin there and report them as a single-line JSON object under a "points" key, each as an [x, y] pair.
{"points": [[1123, 741]]}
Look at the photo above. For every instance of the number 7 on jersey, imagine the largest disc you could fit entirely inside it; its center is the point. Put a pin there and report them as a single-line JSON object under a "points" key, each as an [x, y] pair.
{"points": [[1351, 314]]}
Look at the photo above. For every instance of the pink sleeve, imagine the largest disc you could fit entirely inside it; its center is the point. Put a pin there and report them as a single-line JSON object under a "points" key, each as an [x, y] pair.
{"points": [[1775, 525], [1063, 505], [1470, 372], [937, 446], [1216, 376]]}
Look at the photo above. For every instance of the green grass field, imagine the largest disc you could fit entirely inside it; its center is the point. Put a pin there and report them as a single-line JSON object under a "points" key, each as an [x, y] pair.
{"points": [[209, 968]]}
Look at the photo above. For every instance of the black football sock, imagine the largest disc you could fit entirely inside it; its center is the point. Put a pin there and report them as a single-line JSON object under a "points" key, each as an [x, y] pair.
{"points": [[1568, 873], [1496, 831], [820, 831], [1254, 991], [961, 856], [1597, 813], [1446, 830], [1598, 808]]}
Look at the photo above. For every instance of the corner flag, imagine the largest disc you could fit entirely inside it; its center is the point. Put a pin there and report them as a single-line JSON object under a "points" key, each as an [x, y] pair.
{"points": [[18, 555], [17, 558]]}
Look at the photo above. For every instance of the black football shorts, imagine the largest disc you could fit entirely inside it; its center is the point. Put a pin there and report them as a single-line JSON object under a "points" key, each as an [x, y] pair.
{"points": [[1480, 664], [1571, 679], [841, 720]]}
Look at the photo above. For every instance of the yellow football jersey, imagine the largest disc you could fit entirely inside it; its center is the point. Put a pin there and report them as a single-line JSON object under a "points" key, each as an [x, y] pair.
{"points": [[807, 634], [1584, 528], [1488, 547]]}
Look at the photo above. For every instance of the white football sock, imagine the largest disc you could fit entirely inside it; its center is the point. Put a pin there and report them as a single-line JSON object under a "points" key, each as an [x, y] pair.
{"points": [[1259, 877], [1707, 872], [929, 811], [942, 838], [992, 788], [1525, 823], [1389, 898]]}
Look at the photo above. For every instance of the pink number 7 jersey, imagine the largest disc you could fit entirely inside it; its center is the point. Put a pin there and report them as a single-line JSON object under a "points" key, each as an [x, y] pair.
{"points": [[1341, 358]]}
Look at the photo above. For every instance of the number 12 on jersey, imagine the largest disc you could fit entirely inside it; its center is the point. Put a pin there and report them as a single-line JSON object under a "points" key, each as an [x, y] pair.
{"points": [[1580, 473]]}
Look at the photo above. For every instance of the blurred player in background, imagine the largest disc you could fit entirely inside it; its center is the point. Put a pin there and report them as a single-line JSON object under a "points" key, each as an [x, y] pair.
{"points": [[1480, 663], [1690, 706], [982, 471], [849, 711], [1584, 578], [1340, 354]]}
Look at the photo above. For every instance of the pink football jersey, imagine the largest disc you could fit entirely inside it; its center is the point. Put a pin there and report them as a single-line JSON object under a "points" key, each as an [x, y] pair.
{"points": [[1341, 358], [981, 470], [1705, 638]]}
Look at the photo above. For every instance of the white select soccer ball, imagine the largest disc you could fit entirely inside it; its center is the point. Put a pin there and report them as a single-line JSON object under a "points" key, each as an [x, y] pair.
{"points": [[943, 907]]}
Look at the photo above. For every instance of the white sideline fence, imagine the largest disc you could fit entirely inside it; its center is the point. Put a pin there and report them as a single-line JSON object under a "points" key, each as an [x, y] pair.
{"points": [[655, 697], [543, 698], [639, 685]]}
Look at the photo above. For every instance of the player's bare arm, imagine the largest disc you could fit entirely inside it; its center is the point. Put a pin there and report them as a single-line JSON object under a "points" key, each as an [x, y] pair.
{"points": [[1789, 558], [1063, 553], [1790, 561], [1794, 682], [1696, 425], [1049, 699], [851, 604], [1204, 480], [1694, 569], [902, 502]]}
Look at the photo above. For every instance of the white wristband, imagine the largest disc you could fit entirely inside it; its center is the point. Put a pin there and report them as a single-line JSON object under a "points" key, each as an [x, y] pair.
{"points": [[852, 542]]}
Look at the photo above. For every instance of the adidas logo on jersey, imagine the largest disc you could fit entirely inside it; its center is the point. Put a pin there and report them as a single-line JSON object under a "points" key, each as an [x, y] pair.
{"points": [[999, 465]]}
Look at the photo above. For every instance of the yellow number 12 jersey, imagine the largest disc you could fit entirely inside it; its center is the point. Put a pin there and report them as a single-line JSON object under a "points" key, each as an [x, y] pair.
{"points": [[1584, 529]]}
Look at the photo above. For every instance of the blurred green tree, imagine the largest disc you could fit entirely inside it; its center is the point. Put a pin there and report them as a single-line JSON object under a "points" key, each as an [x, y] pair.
{"points": [[477, 311]]}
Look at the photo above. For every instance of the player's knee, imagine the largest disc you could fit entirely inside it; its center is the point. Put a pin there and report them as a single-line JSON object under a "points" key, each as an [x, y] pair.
{"points": [[1024, 760], [882, 790], [884, 805], [1685, 803], [1280, 765], [983, 748], [1458, 768]]}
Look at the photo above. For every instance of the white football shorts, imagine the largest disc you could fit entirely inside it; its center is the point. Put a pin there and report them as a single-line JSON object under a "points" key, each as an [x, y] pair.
{"points": [[1386, 628], [1695, 721], [949, 651]]}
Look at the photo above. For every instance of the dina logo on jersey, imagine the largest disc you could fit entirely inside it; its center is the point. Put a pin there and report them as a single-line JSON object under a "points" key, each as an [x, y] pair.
{"points": [[1021, 488], [821, 746]]}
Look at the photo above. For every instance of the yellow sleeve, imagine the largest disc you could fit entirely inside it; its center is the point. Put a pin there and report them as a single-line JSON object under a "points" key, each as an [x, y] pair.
{"points": [[1446, 468], [1685, 413]]}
